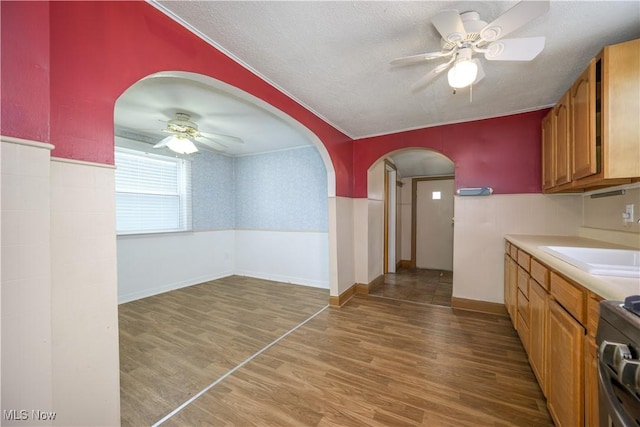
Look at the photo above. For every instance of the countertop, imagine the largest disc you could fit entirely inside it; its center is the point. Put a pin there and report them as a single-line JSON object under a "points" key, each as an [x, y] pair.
{"points": [[608, 287]]}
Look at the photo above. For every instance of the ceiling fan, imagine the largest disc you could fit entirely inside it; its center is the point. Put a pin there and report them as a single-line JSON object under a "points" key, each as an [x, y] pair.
{"points": [[184, 135], [465, 34]]}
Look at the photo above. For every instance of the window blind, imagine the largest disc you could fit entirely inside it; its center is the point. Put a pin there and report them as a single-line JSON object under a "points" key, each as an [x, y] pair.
{"points": [[153, 193]]}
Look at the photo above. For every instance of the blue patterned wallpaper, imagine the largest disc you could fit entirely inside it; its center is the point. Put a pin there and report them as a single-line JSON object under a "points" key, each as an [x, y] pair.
{"points": [[284, 190], [213, 204]]}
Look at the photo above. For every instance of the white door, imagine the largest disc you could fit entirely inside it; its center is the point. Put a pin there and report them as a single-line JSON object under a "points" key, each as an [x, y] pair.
{"points": [[434, 224]]}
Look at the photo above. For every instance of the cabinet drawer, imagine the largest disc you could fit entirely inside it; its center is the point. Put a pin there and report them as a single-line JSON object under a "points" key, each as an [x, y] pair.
{"points": [[513, 251], [523, 308], [523, 281], [540, 274], [593, 304], [524, 259], [571, 297]]}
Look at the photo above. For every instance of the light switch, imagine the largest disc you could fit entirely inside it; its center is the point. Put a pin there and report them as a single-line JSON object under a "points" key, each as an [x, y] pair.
{"points": [[628, 214]]}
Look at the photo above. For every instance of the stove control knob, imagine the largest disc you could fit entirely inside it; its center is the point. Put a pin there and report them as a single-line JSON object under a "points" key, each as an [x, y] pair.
{"points": [[612, 353], [629, 373]]}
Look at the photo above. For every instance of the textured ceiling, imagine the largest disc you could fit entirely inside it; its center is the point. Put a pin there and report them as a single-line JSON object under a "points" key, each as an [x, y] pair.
{"points": [[333, 58]]}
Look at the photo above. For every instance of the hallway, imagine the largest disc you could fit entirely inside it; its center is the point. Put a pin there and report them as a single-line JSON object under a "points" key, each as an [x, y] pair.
{"points": [[417, 285]]}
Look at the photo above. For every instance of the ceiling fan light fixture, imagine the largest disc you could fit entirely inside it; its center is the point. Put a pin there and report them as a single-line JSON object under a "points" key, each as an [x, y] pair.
{"points": [[463, 74], [181, 145]]}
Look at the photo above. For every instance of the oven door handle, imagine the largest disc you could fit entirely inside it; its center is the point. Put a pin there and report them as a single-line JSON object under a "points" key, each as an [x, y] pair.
{"points": [[614, 409]]}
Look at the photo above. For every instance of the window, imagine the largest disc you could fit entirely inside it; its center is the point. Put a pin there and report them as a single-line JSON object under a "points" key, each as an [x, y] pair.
{"points": [[436, 195], [153, 193]]}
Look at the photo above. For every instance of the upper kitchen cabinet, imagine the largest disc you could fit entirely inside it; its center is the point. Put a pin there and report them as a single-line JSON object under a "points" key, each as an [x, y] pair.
{"points": [[585, 104], [548, 152], [591, 138], [562, 134]]}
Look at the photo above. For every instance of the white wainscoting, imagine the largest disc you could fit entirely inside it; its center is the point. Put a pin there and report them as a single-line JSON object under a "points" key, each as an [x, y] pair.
{"points": [[298, 257], [481, 224], [84, 325], [150, 264], [26, 372], [342, 226]]}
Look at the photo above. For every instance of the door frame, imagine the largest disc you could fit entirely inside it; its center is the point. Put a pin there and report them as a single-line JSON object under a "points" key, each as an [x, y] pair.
{"points": [[388, 168]]}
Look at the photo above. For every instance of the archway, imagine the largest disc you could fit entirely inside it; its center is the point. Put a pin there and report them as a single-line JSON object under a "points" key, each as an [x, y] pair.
{"points": [[227, 245], [422, 234], [233, 112]]}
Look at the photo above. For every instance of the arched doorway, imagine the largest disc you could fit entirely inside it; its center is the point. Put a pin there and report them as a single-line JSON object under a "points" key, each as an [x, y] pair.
{"points": [[240, 197], [142, 111], [414, 188]]}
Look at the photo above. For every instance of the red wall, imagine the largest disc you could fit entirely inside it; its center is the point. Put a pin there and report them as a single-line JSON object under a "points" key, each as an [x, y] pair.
{"points": [[96, 50], [503, 153], [24, 43]]}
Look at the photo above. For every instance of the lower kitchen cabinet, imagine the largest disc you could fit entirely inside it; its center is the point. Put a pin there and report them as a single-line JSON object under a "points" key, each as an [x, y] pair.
{"points": [[591, 412], [565, 381], [513, 289], [556, 319], [507, 285], [538, 308]]}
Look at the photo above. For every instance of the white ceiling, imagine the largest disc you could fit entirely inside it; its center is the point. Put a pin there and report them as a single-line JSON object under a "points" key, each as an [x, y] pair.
{"points": [[144, 107], [333, 58]]}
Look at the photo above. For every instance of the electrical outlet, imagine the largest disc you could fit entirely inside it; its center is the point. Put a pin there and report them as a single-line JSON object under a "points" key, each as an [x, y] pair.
{"points": [[628, 214]]}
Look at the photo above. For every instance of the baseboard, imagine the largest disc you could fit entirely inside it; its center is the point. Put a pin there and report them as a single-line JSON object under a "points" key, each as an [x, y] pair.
{"points": [[145, 293], [343, 297], [284, 279], [361, 288], [481, 306], [376, 283], [403, 263]]}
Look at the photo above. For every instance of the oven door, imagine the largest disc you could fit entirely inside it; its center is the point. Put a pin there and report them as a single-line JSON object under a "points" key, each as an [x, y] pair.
{"points": [[619, 406]]}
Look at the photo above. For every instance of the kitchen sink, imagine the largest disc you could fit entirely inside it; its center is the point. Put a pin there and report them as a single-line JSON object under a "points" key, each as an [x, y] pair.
{"points": [[604, 262]]}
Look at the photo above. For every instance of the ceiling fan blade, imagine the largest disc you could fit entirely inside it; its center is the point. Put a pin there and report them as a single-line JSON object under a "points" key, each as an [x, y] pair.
{"points": [[222, 139], [211, 144], [481, 75], [513, 19], [523, 49], [430, 76], [420, 58], [449, 25], [163, 142]]}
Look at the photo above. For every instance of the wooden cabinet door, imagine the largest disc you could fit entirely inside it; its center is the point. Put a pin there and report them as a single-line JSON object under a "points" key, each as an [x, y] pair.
{"points": [[591, 409], [538, 303], [561, 129], [513, 290], [565, 368], [621, 109], [548, 156], [582, 105], [507, 283]]}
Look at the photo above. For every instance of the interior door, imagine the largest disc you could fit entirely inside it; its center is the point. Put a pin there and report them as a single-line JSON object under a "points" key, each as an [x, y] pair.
{"points": [[434, 224]]}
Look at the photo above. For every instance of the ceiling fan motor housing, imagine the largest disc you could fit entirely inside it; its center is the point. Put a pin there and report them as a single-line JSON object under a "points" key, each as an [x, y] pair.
{"points": [[183, 125], [472, 26]]}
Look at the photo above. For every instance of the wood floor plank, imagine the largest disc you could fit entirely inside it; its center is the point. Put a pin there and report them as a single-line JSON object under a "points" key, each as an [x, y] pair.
{"points": [[174, 344], [374, 362]]}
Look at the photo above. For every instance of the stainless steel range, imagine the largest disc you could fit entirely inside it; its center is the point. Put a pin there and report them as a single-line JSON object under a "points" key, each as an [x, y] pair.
{"points": [[618, 340]]}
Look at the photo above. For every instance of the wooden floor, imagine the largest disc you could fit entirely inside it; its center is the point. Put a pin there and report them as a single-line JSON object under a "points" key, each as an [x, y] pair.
{"points": [[175, 344], [418, 285], [375, 361]]}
